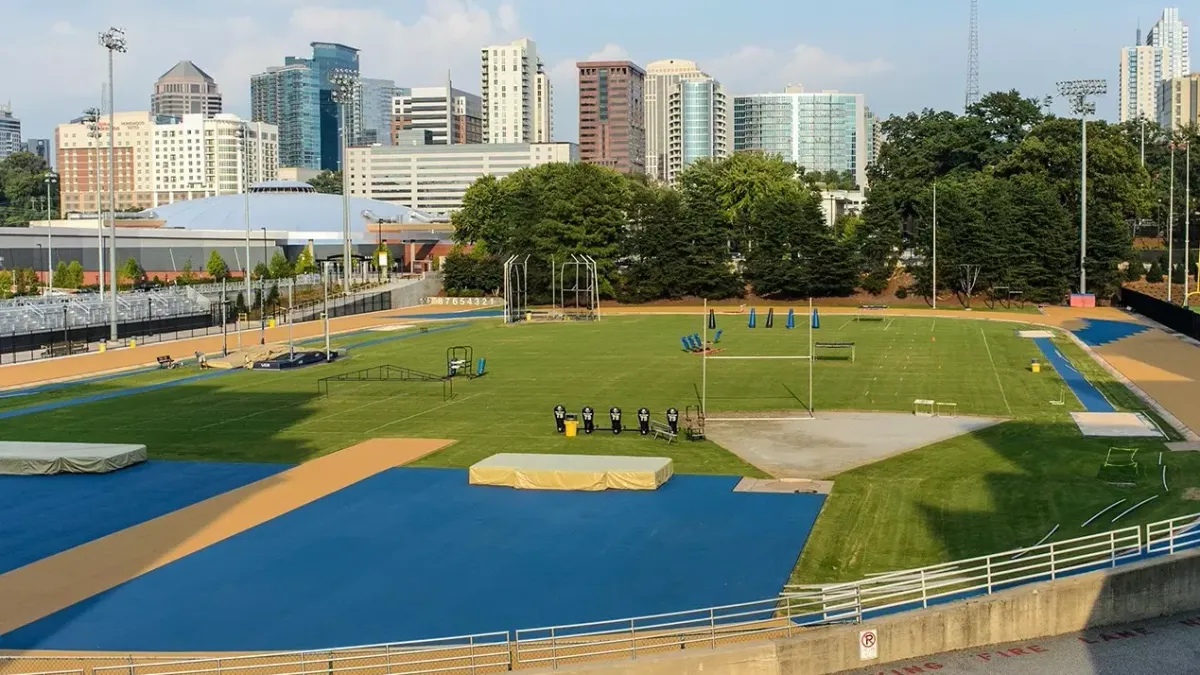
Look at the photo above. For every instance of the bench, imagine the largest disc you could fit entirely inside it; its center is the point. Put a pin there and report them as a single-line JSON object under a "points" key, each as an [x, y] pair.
{"points": [[165, 362], [64, 349], [870, 312], [835, 345], [662, 430]]}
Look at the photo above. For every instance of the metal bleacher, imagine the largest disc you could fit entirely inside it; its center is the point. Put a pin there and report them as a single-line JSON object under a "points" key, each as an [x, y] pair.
{"points": [[57, 312]]}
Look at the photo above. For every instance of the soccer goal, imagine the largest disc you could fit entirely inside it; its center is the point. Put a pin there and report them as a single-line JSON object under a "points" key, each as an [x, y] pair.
{"points": [[871, 313], [723, 360]]}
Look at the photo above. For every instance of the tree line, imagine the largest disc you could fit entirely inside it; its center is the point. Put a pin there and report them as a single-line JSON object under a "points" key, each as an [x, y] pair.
{"points": [[1005, 173]]}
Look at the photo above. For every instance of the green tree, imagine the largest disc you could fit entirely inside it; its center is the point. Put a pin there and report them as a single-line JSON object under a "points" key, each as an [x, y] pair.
{"points": [[239, 304], [186, 275], [26, 282], [6, 284], [60, 275], [795, 254], [472, 273], [216, 267], [1155, 274], [131, 272], [261, 271], [327, 182], [304, 262], [273, 296], [279, 267], [22, 189], [74, 274]]}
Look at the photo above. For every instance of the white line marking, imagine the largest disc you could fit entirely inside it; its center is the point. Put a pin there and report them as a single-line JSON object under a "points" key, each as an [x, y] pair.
{"points": [[889, 324], [1102, 511], [995, 372], [368, 432], [245, 417]]}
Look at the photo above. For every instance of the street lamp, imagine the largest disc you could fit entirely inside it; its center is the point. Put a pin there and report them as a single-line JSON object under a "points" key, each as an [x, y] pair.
{"points": [[1077, 91], [51, 179], [91, 117], [112, 40], [1171, 225], [345, 89]]}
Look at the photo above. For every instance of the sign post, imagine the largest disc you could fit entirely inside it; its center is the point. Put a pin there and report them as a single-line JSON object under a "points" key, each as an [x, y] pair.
{"points": [[868, 645]]}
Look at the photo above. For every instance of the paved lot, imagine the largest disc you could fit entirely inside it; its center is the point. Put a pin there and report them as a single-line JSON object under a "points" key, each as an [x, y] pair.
{"points": [[1169, 646]]}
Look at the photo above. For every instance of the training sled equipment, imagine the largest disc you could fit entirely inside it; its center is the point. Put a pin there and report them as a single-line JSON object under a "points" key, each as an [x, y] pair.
{"points": [[567, 423]]}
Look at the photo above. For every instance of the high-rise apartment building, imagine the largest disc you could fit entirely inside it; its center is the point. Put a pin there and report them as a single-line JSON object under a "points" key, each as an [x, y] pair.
{"points": [[40, 147], [288, 97], [874, 133], [298, 98], [1179, 102], [661, 81], [185, 90], [698, 124], [612, 115], [1170, 35], [819, 131], [434, 178], [1138, 79], [160, 159], [10, 132], [373, 112], [452, 116], [515, 93]]}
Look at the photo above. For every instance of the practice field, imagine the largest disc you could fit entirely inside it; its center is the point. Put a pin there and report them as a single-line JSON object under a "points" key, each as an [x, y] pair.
{"points": [[418, 553], [995, 489]]}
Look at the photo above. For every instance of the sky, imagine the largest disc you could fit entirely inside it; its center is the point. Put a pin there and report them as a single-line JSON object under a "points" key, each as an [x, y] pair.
{"points": [[902, 56]]}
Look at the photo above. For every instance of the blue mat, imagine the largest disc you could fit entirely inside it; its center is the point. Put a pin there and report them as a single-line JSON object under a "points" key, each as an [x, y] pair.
{"points": [[44, 515], [418, 553], [1088, 395], [1097, 332]]}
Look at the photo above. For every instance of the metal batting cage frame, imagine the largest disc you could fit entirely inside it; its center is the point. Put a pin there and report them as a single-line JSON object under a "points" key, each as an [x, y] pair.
{"points": [[574, 289]]}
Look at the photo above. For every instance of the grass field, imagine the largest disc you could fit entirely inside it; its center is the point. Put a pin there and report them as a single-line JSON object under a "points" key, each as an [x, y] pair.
{"points": [[999, 488]]}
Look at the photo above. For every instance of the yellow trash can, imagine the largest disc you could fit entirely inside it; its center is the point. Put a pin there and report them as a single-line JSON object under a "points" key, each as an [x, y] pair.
{"points": [[1035, 366], [270, 323], [132, 342], [570, 427], [103, 347]]}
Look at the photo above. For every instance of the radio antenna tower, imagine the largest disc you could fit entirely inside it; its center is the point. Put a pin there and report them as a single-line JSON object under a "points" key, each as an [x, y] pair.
{"points": [[973, 57]]}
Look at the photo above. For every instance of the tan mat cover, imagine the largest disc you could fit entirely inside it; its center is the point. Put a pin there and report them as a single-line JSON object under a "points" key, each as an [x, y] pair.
{"points": [[571, 472], [36, 458]]}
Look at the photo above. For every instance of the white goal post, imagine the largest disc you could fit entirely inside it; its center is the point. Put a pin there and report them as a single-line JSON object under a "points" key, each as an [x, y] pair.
{"points": [[705, 357]]}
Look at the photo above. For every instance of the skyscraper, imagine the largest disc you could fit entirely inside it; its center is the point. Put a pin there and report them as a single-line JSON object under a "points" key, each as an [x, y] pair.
{"points": [[185, 90], [819, 131], [451, 116], [1170, 35], [10, 132], [1138, 78], [698, 115], [39, 147], [515, 92], [288, 97], [1179, 102], [373, 108], [662, 78], [298, 98], [612, 115]]}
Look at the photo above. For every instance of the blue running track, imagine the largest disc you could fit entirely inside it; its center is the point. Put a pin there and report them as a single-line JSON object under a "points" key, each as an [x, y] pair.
{"points": [[1088, 395]]}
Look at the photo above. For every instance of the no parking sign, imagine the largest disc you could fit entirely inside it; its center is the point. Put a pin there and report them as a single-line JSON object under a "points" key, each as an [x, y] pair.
{"points": [[868, 645]]}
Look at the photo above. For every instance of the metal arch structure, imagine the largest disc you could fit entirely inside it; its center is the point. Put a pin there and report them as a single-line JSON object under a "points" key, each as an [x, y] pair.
{"points": [[516, 288], [584, 290]]}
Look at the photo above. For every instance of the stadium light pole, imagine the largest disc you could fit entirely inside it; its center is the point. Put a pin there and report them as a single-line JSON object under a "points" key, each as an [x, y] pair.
{"points": [[935, 244], [51, 179], [1187, 213], [345, 88], [91, 117], [113, 40], [1077, 92], [1171, 226], [262, 301]]}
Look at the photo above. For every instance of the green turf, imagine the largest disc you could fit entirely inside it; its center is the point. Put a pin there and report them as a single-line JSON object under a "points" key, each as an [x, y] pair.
{"points": [[996, 489]]}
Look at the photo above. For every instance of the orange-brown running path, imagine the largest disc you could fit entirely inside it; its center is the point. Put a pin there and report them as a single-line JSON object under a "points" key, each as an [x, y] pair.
{"points": [[51, 584]]}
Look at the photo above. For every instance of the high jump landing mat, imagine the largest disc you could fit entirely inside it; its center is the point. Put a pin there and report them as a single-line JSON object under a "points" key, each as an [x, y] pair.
{"points": [[25, 458], [571, 472]]}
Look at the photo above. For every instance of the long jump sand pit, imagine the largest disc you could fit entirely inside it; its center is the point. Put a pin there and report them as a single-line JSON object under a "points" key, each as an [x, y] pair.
{"points": [[835, 442], [59, 581]]}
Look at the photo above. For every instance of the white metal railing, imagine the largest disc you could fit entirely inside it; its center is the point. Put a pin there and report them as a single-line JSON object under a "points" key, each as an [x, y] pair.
{"points": [[1176, 534], [798, 606]]}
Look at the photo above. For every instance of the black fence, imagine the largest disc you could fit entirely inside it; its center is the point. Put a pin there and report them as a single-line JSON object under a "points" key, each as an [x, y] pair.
{"points": [[1172, 316], [15, 347]]}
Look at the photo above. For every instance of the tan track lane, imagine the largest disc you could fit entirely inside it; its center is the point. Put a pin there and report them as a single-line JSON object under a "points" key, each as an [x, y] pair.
{"points": [[41, 588]]}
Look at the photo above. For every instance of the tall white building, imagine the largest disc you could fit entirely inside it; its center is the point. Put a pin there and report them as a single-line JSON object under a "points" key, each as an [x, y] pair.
{"points": [[450, 115], [1170, 35], [161, 159], [10, 132], [515, 93], [1137, 82], [662, 80], [699, 124], [434, 178]]}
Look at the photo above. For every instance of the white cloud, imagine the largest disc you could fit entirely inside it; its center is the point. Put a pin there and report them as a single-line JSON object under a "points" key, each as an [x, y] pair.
{"points": [[756, 69]]}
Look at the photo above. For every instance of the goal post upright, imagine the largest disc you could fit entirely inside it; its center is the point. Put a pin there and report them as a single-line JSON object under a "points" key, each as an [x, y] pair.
{"points": [[704, 360], [811, 408]]}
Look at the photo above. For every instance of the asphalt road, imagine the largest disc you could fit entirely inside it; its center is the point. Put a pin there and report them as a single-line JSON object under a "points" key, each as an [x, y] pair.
{"points": [[1169, 646]]}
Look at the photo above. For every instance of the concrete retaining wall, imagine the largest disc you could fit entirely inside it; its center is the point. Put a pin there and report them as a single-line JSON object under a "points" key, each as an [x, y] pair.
{"points": [[415, 294], [1135, 592]]}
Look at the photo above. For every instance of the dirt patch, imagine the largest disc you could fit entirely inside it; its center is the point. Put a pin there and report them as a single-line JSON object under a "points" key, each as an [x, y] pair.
{"points": [[1191, 494], [46, 586], [835, 442]]}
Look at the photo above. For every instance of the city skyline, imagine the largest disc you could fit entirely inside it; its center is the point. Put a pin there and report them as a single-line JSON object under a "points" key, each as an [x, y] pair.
{"points": [[749, 53]]}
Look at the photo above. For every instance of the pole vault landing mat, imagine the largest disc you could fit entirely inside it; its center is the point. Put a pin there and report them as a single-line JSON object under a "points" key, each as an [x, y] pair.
{"points": [[43, 459], [287, 361], [1116, 425], [571, 472]]}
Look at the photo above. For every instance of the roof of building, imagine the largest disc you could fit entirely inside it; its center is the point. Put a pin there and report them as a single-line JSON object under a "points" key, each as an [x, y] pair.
{"points": [[282, 186], [291, 212], [186, 70]]}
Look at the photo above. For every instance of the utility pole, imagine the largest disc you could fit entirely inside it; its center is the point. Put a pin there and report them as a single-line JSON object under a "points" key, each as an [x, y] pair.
{"points": [[935, 245], [1077, 91], [1171, 228]]}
